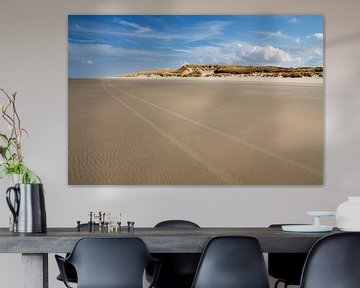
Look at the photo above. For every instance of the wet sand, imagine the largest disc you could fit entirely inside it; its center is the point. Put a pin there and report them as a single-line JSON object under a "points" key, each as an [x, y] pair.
{"points": [[195, 131]]}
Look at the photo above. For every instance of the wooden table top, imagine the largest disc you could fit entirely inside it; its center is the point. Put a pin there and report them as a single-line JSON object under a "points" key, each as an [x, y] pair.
{"points": [[158, 240]]}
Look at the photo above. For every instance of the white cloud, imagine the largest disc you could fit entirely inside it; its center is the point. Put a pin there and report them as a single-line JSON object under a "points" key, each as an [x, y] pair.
{"points": [[212, 27], [274, 36], [205, 54], [261, 54], [319, 36], [307, 55], [317, 51], [269, 35], [138, 29], [87, 50], [297, 40], [81, 40], [203, 31], [236, 53], [78, 27], [199, 32]]}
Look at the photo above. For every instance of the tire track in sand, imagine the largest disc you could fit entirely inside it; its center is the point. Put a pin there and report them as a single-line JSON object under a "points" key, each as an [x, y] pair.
{"points": [[228, 179], [229, 137]]}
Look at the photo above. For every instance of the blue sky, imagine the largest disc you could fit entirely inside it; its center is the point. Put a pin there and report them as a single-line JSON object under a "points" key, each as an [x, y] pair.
{"points": [[110, 45]]}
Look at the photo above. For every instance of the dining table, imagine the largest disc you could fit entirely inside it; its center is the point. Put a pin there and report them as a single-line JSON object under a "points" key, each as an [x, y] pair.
{"points": [[35, 247]]}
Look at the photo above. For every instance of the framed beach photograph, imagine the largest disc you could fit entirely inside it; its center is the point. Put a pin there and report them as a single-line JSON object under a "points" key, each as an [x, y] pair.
{"points": [[195, 100]]}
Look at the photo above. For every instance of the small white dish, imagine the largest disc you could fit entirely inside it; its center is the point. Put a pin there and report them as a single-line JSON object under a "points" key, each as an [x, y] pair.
{"points": [[316, 227], [321, 213], [306, 228]]}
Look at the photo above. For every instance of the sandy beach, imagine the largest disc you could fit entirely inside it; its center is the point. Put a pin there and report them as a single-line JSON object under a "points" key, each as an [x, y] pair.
{"points": [[244, 131], [269, 80]]}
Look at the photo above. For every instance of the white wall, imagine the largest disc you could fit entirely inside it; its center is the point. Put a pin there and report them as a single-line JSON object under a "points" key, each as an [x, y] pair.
{"points": [[33, 62]]}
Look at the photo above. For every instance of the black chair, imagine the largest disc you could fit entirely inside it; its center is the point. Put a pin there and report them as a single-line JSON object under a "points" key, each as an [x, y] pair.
{"points": [[69, 269], [70, 273], [333, 262], [232, 262], [108, 263], [286, 267], [178, 269]]}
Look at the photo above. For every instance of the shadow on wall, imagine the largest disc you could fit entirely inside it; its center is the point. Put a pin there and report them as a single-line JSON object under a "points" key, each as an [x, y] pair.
{"points": [[353, 37]]}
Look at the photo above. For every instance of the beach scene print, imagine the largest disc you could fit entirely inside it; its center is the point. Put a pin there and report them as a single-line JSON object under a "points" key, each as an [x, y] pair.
{"points": [[195, 100]]}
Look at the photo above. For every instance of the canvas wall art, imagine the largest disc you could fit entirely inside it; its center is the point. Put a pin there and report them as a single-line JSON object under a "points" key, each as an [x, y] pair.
{"points": [[195, 100]]}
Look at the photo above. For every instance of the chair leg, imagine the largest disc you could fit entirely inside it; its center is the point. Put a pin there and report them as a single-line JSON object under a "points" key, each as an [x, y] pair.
{"points": [[278, 282]]}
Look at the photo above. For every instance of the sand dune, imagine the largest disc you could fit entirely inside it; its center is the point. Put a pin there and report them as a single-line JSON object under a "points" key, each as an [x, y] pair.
{"points": [[224, 71]]}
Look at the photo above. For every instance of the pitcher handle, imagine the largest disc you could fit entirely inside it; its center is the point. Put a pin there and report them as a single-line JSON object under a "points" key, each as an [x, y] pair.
{"points": [[13, 208]]}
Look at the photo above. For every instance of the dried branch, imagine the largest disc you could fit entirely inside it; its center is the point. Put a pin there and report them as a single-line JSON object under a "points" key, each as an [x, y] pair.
{"points": [[10, 152]]}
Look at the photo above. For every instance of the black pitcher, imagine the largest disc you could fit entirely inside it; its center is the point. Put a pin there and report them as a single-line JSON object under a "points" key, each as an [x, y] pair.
{"points": [[28, 208]]}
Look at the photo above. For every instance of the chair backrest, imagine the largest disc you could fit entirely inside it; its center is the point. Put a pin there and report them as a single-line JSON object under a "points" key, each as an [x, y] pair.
{"points": [[178, 269], [176, 224], [232, 262], [286, 267], [110, 262], [333, 262]]}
